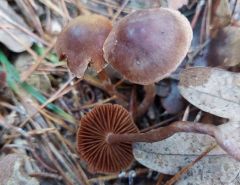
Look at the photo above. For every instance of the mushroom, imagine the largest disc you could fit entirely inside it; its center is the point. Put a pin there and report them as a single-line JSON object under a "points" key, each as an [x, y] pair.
{"points": [[92, 142], [106, 133], [81, 42], [148, 45]]}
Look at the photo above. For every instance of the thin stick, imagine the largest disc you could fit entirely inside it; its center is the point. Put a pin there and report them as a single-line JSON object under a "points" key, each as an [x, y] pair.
{"points": [[46, 175], [184, 170], [51, 99], [120, 10], [25, 30], [29, 50], [26, 75], [50, 5]]}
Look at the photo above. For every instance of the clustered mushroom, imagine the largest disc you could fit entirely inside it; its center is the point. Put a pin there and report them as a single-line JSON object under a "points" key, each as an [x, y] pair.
{"points": [[145, 47]]}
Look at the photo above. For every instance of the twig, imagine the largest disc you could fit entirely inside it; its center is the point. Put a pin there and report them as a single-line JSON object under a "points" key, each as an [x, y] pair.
{"points": [[120, 10], [25, 30], [45, 175], [184, 170], [34, 55], [25, 75], [99, 103], [197, 13], [50, 5], [51, 99]]}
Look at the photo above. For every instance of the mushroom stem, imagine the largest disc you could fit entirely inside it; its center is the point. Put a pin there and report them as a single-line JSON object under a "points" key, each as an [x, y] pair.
{"points": [[163, 133], [150, 94]]}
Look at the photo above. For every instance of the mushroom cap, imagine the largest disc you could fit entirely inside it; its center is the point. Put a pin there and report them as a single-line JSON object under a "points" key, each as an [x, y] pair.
{"points": [[81, 42], [94, 128], [148, 45]]}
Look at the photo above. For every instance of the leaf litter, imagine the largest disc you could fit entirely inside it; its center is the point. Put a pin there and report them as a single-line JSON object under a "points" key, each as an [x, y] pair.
{"points": [[42, 103]]}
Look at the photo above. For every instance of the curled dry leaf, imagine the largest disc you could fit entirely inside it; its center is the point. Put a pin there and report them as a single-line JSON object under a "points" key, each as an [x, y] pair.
{"points": [[12, 171], [212, 90], [171, 154], [224, 48], [7, 17]]}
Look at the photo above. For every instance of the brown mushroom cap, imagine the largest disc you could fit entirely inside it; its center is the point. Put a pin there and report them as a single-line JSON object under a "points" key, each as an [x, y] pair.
{"points": [[148, 45], [92, 146], [81, 42]]}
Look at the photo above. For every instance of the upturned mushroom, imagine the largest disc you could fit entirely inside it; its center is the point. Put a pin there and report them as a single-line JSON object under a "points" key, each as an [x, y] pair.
{"points": [[106, 133], [147, 45], [81, 42], [93, 145]]}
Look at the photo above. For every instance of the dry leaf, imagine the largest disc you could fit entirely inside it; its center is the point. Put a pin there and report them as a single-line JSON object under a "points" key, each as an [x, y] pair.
{"points": [[12, 171], [169, 155], [224, 48], [7, 17], [212, 90], [215, 91]]}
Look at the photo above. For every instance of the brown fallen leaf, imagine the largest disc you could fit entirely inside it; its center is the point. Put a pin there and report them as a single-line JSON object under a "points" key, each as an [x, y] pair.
{"points": [[224, 48], [7, 17]]}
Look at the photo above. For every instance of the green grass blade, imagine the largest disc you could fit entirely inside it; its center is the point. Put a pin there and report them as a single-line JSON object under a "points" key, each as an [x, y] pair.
{"points": [[13, 81]]}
